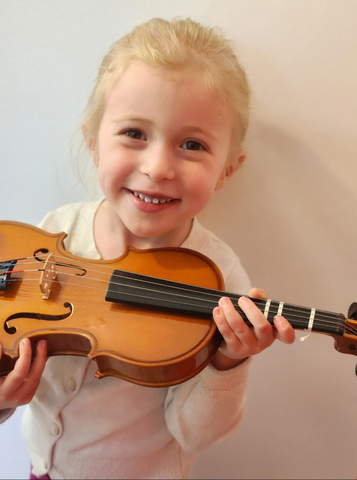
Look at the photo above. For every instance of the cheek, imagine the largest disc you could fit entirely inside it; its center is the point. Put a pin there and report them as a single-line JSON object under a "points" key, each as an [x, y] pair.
{"points": [[109, 178], [114, 167], [202, 186]]}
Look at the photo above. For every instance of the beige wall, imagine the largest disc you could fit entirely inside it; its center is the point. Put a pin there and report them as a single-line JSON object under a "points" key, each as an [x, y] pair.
{"points": [[290, 212]]}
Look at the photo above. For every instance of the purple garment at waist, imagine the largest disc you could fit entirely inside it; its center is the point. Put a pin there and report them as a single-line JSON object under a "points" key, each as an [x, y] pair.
{"points": [[42, 477]]}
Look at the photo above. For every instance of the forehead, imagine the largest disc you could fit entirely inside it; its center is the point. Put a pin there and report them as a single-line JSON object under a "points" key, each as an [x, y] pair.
{"points": [[174, 95]]}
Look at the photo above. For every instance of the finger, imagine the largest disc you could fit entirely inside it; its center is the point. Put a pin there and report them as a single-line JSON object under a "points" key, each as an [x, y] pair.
{"points": [[236, 333], [225, 329], [284, 331], [21, 384], [263, 330], [28, 388], [39, 362], [258, 293], [26, 392], [231, 345], [22, 366]]}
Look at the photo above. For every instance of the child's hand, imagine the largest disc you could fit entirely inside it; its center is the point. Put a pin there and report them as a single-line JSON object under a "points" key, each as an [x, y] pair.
{"points": [[240, 340], [20, 385]]}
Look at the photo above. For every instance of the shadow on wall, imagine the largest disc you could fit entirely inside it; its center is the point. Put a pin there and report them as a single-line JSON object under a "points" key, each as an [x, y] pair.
{"points": [[287, 214]]}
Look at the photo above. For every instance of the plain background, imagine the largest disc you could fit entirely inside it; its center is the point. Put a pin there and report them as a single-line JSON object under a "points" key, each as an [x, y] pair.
{"points": [[290, 212]]}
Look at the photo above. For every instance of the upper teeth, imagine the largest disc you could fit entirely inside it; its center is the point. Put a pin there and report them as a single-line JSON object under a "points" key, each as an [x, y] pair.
{"points": [[149, 199]]}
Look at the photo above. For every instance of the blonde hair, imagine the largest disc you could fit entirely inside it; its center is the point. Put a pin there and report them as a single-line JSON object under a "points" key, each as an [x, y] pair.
{"points": [[181, 45]]}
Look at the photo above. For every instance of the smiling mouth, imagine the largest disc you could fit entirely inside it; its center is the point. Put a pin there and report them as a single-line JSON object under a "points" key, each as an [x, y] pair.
{"points": [[150, 199]]}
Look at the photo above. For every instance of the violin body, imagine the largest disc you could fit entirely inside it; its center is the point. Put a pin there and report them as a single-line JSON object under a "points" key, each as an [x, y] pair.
{"points": [[50, 294], [145, 317]]}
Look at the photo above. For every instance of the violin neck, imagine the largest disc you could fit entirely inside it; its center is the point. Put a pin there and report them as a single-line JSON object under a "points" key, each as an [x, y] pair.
{"points": [[156, 293], [303, 318]]}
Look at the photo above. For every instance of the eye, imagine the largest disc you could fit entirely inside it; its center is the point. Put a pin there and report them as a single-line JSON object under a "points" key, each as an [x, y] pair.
{"points": [[193, 145], [135, 134]]}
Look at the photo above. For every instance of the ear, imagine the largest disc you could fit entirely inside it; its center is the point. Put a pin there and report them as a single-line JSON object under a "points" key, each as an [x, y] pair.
{"points": [[90, 141], [230, 168]]}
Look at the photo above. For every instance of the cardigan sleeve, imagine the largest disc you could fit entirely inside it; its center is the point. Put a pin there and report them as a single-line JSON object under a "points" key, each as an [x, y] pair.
{"points": [[207, 408]]}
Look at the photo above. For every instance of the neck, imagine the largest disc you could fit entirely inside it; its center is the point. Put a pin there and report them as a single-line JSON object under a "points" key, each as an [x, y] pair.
{"points": [[112, 236]]}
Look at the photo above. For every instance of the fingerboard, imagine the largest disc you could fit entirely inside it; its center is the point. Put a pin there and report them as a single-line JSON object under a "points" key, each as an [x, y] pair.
{"points": [[160, 294]]}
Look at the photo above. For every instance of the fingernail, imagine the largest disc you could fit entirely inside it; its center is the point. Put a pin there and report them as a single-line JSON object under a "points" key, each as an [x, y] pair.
{"points": [[278, 319], [242, 301], [24, 343], [223, 301]]}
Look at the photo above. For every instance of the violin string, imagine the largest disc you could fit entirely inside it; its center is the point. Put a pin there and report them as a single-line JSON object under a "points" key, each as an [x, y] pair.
{"points": [[257, 301], [298, 323], [177, 286], [182, 287]]}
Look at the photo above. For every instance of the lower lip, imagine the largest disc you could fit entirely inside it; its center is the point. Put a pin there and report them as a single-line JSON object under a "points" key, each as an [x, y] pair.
{"points": [[149, 207]]}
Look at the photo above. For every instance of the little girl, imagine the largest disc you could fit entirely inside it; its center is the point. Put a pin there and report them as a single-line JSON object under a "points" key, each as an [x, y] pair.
{"points": [[164, 126]]}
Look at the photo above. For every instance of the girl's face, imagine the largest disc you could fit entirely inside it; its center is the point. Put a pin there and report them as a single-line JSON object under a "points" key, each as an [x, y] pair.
{"points": [[161, 151]]}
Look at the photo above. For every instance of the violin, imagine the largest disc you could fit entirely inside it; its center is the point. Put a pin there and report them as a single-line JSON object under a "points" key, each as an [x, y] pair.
{"points": [[145, 317]]}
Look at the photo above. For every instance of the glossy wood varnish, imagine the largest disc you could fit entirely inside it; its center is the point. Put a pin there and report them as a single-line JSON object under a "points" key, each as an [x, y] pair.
{"points": [[144, 346]]}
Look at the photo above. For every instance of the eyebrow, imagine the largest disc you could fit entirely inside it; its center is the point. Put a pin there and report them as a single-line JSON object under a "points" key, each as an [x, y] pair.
{"points": [[131, 119], [200, 130]]}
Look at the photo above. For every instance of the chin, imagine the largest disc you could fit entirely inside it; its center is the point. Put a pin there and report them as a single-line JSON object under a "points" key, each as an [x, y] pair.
{"points": [[144, 233]]}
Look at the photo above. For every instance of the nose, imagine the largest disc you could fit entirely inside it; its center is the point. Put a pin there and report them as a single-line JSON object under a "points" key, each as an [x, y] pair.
{"points": [[158, 164]]}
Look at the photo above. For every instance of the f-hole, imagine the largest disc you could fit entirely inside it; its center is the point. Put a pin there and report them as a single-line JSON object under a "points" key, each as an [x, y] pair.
{"points": [[39, 251], [37, 316]]}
